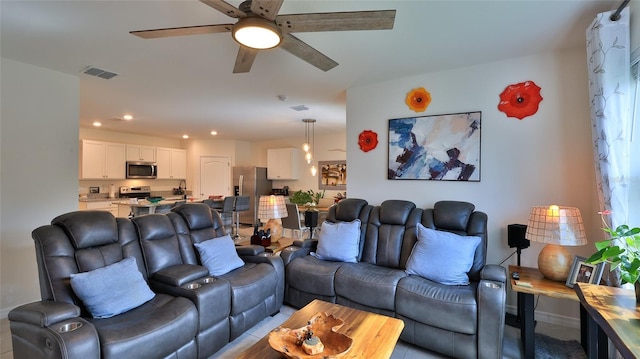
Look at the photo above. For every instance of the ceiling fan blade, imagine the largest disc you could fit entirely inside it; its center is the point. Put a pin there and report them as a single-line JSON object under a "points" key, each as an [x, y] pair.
{"points": [[244, 60], [225, 8], [337, 21], [182, 31], [267, 9], [307, 53]]}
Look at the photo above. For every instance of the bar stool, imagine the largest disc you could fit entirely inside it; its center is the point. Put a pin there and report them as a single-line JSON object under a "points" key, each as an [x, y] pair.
{"points": [[241, 204]]}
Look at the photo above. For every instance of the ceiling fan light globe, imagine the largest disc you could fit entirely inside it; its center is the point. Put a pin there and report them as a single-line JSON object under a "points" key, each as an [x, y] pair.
{"points": [[256, 33]]}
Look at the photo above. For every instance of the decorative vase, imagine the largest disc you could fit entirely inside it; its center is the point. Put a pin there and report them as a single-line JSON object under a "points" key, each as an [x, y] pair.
{"points": [[637, 286]]}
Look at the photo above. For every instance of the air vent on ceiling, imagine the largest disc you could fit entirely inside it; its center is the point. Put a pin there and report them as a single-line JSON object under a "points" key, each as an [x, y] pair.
{"points": [[94, 71], [299, 108]]}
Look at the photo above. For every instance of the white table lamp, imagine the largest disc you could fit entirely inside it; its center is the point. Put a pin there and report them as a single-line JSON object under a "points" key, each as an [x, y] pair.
{"points": [[556, 226], [272, 208]]}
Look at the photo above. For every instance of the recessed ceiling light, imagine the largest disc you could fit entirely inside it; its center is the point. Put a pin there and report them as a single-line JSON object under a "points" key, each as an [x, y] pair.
{"points": [[97, 124], [214, 133], [185, 136], [127, 117]]}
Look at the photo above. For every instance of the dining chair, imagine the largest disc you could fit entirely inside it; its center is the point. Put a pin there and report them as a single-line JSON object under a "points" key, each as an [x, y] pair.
{"points": [[293, 221]]}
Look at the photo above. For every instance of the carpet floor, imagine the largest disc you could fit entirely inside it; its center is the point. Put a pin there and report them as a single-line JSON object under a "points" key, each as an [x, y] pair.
{"points": [[552, 348]]}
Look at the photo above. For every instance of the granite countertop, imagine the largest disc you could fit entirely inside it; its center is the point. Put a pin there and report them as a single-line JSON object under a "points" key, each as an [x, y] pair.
{"points": [[104, 197]]}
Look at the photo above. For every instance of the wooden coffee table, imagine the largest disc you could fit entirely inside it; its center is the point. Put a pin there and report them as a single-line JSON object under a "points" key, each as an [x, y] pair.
{"points": [[374, 335], [275, 247]]}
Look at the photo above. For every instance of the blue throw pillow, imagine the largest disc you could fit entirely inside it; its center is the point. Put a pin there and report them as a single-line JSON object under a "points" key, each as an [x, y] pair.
{"points": [[112, 290], [339, 242], [442, 257], [219, 255]]}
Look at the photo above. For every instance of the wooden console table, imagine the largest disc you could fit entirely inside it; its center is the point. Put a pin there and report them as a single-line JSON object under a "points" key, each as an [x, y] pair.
{"points": [[613, 312]]}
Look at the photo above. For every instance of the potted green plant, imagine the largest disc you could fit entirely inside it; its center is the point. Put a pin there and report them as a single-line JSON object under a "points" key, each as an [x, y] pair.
{"points": [[308, 198], [621, 251]]}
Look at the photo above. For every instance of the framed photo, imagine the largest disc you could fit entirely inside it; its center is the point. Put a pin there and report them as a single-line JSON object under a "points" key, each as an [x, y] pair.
{"points": [[440, 147], [333, 175], [94, 189], [584, 272]]}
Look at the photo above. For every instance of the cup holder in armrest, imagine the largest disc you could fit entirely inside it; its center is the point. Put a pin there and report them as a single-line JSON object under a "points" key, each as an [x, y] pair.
{"points": [[69, 327], [192, 286], [208, 280]]}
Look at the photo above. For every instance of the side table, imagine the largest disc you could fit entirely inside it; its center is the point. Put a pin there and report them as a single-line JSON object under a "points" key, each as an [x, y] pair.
{"points": [[539, 286]]}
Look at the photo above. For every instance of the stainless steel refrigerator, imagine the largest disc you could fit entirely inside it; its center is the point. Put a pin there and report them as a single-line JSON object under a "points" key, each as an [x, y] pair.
{"points": [[252, 182]]}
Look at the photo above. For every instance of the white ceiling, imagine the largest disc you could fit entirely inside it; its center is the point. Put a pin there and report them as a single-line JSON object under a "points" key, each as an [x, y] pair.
{"points": [[185, 84]]}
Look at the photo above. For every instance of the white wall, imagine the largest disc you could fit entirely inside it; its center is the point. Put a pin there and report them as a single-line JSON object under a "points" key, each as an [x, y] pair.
{"points": [[541, 160], [196, 149], [39, 168]]}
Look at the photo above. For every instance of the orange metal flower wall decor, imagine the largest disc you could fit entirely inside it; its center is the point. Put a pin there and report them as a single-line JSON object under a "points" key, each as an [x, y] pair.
{"points": [[520, 100], [367, 140], [418, 99]]}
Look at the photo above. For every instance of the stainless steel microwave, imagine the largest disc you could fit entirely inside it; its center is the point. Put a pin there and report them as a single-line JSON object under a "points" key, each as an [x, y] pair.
{"points": [[142, 170]]}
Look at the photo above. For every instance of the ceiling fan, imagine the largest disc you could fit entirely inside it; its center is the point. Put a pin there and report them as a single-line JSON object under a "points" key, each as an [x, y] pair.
{"points": [[260, 27]]}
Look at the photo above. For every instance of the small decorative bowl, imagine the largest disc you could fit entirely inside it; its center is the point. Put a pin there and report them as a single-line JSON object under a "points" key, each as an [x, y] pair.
{"points": [[154, 199], [287, 341]]}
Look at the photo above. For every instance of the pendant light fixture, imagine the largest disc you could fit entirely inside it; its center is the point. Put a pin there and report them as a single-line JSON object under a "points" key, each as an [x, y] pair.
{"points": [[309, 143]]}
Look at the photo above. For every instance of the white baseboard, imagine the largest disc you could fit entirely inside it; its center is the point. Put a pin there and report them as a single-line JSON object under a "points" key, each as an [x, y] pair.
{"points": [[551, 318]]}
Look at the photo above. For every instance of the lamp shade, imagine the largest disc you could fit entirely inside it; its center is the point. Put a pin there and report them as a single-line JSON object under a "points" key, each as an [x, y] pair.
{"points": [[272, 207], [556, 225]]}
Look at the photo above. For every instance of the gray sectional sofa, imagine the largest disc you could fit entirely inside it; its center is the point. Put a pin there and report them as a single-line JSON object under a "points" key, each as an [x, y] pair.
{"points": [[191, 314], [461, 321]]}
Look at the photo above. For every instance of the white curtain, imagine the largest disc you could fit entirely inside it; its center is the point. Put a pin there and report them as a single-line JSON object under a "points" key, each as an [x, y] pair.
{"points": [[608, 57]]}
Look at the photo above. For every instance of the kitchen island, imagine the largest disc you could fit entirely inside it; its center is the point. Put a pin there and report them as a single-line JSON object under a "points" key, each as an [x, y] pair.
{"points": [[128, 208]]}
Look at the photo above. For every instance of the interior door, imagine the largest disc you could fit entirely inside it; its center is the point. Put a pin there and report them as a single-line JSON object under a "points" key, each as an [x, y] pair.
{"points": [[215, 176]]}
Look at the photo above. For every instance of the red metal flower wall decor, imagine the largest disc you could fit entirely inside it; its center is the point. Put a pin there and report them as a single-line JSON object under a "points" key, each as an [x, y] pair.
{"points": [[520, 100], [418, 99], [367, 140]]}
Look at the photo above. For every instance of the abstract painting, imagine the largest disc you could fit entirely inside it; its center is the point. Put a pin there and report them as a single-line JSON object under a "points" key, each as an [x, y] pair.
{"points": [[440, 147]]}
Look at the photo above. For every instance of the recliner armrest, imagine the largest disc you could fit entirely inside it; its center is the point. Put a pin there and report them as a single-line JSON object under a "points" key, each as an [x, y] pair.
{"points": [[44, 313], [494, 272], [306, 243], [52, 330], [250, 250], [292, 253], [180, 274], [491, 297]]}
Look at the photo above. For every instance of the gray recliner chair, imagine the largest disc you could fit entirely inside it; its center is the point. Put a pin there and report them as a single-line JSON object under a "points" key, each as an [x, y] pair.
{"points": [[257, 288], [60, 326]]}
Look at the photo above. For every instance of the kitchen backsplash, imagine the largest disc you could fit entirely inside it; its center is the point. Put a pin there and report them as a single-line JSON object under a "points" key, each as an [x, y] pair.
{"points": [[164, 187]]}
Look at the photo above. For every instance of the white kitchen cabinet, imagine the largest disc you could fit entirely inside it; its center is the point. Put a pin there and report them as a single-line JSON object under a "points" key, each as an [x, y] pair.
{"points": [[171, 162], [141, 153], [106, 205], [282, 163], [102, 160]]}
